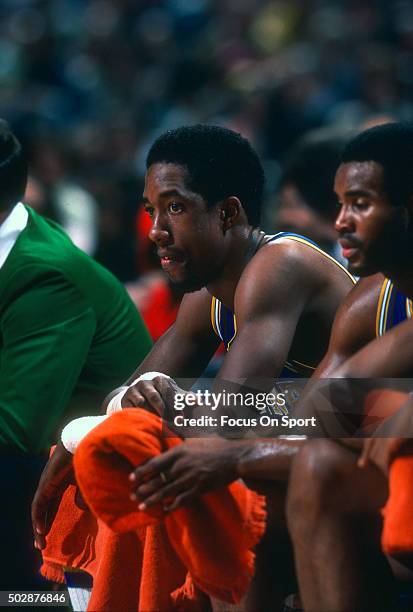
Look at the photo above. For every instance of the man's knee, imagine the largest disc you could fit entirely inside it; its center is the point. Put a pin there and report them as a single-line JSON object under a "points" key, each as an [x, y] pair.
{"points": [[320, 476]]}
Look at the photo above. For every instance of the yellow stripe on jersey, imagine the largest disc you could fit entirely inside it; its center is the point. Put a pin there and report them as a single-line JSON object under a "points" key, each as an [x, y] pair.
{"points": [[218, 309], [213, 308], [380, 311], [304, 365], [385, 307]]}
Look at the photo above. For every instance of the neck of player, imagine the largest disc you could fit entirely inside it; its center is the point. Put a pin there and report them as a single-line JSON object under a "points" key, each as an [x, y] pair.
{"points": [[402, 276], [243, 244]]}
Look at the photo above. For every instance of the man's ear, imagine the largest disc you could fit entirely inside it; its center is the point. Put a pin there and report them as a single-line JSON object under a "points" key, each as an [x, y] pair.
{"points": [[230, 209]]}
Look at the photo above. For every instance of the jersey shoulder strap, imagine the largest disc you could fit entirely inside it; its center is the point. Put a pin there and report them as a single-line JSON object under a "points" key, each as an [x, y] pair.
{"points": [[392, 308]]}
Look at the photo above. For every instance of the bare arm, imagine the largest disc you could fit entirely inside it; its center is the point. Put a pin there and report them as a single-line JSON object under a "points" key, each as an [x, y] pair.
{"points": [[393, 436], [183, 351], [187, 346], [269, 303], [354, 351], [390, 356], [201, 465], [356, 358], [354, 325], [270, 298]]}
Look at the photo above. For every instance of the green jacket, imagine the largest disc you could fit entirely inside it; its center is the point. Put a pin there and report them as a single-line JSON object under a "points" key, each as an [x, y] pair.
{"points": [[69, 334]]}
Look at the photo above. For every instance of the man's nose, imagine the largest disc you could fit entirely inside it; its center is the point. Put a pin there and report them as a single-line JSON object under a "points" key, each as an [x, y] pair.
{"points": [[344, 221], [160, 232]]}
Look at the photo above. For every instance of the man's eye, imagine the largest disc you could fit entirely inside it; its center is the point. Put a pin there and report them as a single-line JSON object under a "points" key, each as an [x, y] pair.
{"points": [[360, 204], [149, 210], [174, 207]]}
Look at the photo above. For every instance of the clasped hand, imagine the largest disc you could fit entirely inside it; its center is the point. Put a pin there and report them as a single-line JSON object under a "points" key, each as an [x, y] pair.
{"points": [[184, 472], [156, 395]]}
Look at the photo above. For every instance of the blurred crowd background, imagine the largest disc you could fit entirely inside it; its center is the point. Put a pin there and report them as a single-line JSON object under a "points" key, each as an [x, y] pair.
{"points": [[88, 84]]}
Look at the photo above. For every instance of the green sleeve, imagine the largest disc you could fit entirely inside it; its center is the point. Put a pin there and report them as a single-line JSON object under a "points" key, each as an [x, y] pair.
{"points": [[46, 333]]}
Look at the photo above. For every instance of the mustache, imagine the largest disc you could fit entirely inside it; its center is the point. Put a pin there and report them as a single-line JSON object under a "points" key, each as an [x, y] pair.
{"points": [[351, 239], [169, 252]]}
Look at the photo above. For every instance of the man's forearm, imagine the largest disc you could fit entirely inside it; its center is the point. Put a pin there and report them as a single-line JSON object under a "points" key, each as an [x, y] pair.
{"points": [[266, 459], [390, 356], [400, 424]]}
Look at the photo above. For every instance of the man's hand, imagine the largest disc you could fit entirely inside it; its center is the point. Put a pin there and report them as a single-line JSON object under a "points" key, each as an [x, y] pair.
{"points": [[56, 476], [388, 439], [156, 395], [379, 452], [187, 471]]}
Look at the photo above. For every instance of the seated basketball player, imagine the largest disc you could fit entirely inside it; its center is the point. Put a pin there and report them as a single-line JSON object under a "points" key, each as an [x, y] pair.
{"points": [[272, 300], [334, 506]]}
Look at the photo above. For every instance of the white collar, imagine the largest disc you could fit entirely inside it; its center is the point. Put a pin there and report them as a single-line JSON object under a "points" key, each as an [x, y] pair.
{"points": [[10, 229]]}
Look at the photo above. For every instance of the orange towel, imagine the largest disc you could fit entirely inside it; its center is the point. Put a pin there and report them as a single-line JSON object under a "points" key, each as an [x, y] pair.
{"points": [[397, 536], [213, 536], [127, 568], [145, 568], [71, 539]]}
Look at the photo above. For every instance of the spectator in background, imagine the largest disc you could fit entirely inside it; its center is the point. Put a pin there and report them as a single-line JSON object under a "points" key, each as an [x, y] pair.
{"points": [[106, 77], [35, 195], [66, 201], [307, 203]]}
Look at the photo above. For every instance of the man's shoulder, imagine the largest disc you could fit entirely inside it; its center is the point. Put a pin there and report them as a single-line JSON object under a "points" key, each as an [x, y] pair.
{"points": [[297, 250], [295, 261], [276, 276], [365, 294]]}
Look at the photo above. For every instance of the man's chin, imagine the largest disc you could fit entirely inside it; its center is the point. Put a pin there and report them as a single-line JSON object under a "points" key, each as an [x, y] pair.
{"points": [[191, 282], [362, 269], [187, 285]]}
